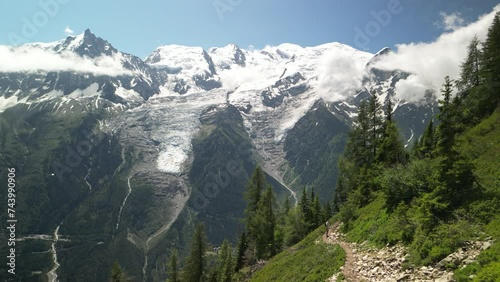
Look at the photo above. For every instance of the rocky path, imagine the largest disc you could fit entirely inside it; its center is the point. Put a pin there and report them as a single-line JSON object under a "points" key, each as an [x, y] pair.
{"points": [[369, 264], [335, 237]]}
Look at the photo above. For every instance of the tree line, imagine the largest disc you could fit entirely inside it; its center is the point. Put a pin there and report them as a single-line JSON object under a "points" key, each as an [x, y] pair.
{"points": [[431, 195]]}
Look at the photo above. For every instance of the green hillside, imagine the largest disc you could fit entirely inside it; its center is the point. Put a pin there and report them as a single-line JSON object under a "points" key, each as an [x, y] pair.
{"points": [[309, 260]]}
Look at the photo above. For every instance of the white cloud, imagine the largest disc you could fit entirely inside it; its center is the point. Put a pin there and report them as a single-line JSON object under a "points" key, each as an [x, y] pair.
{"points": [[68, 31], [31, 59], [431, 62], [452, 21], [339, 74]]}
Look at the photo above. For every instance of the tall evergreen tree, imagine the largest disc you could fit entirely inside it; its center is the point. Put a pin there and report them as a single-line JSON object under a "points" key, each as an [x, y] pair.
{"points": [[446, 130], [317, 213], [265, 241], [357, 149], [375, 125], [255, 186], [286, 206], [296, 226], [428, 140], [470, 68], [194, 267], [253, 194], [490, 72], [340, 196], [242, 248], [225, 265], [388, 111], [391, 150], [305, 206], [491, 53], [173, 267]]}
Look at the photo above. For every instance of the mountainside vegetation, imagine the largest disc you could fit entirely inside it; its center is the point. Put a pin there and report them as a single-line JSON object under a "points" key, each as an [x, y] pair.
{"points": [[447, 190], [432, 199]]}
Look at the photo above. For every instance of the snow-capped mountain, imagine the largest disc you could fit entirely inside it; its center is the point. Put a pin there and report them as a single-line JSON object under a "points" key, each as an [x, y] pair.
{"points": [[192, 68], [178, 135], [124, 80]]}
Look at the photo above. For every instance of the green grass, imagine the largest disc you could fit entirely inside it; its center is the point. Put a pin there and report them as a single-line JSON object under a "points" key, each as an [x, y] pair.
{"points": [[487, 267], [370, 219], [308, 260], [480, 144]]}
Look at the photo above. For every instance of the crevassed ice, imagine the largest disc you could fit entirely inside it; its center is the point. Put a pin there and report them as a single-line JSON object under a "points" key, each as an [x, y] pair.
{"points": [[174, 154], [175, 120]]}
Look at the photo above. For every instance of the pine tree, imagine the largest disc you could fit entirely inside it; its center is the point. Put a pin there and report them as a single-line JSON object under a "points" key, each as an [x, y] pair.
{"points": [[173, 267], [242, 248], [117, 274], [388, 111], [254, 189], [446, 130], [455, 171], [253, 194], [391, 150], [491, 53], [490, 72], [225, 265], [296, 226], [195, 264], [470, 68], [317, 214], [375, 126], [314, 208], [427, 141], [357, 149], [265, 241], [340, 196], [305, 206], [286, 206]]}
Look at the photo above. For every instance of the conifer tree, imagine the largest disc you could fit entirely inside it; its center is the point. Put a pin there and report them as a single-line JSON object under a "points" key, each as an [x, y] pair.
{"points": [[265, 241], [340, 196], [490, 72], [117, 274], [254, 190], [225, 265], [195, 263], [446, 128], [391, 150], [296, 226], [317, 214], [491, 53], [242, 248], [173, 267], [253, 194], [375, 126], [286, 206], [427, 141], [388, 111], [470, 68], [305, 206], [357, 149]]}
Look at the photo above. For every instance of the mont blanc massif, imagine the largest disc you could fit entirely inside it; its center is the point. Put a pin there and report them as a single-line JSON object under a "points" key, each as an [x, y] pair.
{"points": [[117, 159]]}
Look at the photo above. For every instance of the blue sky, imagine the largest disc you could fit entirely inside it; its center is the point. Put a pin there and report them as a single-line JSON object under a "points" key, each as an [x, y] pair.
{"points": [[138, 27]]}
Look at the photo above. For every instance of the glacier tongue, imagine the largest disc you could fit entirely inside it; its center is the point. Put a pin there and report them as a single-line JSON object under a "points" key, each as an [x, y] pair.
{"points": [[168, 123]]}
